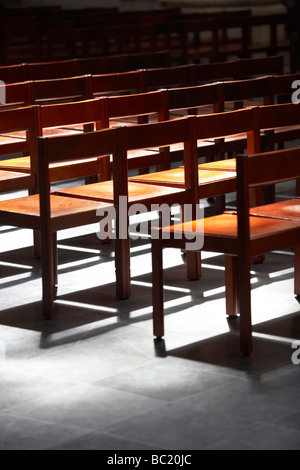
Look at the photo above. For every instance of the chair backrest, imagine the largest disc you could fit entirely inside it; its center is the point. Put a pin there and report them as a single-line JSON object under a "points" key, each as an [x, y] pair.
{"points": [[255, 67], [71, 118], [274, 167], [241, 91], [53, 70], [123, 62], [48, 91], [278, 115], [13, 73], [161, 134], [137, 105], [258, 170], [198, 74], [17, 94], [282, 88], [219, 125], [168, 77], [190, 99], [61, 90], [69, 114], [126, 82]]}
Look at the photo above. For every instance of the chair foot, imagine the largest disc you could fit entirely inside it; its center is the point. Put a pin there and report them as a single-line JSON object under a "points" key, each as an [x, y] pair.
{"points": [[259, 260]]}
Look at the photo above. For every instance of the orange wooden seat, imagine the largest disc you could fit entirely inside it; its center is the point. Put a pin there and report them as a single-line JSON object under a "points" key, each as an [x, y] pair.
{"points": [[284, 210], [213, 183], [239, 236]]}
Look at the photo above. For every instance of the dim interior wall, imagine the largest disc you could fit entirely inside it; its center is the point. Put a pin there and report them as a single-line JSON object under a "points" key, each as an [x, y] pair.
{"points": [[71, 4]]}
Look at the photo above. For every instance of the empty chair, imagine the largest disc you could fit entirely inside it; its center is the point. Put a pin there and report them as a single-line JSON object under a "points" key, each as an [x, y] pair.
{"points": [[240, 236], [48, 213]]}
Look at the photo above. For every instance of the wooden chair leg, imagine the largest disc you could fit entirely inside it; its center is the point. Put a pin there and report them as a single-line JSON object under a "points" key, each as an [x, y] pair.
{"points": [[47, 274], [297, 271], [157, 289], [244, 296], [55, 259], [298, 187], [122, 260], [194, 265], [232, 304], [220, 204], [37, 244]]}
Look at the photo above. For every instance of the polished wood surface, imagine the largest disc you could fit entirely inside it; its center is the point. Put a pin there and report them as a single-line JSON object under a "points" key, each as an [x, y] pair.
{"points": [[104, 191], [224, 182], [65, 212], [284, 210], [220, 165]]}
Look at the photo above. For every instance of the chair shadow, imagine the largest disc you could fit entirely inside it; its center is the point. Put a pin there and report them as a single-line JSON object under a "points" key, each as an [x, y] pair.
{"points": [[78, 310], [272, 347]]}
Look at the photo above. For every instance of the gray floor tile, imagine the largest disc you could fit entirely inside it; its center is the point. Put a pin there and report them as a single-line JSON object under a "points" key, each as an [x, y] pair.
{"points": [[95, 378]]}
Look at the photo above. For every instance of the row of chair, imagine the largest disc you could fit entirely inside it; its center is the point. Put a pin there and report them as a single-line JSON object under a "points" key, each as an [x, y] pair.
{"points": [[140, 81], [76, 67], [240, 235], [150, 77], [78, 206], [130, 109], [187, 39]]}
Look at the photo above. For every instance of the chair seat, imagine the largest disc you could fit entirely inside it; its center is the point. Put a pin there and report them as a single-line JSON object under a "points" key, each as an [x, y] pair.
{"points": [[223, 181], [137, 192], [23, 164], [285, 210], [13, 181], [220, 233], [220, 165], [47, 132], [12, 137], [65, 211]]}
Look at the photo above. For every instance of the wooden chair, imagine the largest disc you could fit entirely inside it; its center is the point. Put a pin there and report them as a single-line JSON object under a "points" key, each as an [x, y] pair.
{"points": [[49, 213], [68, 118], [48, 91], [165, 134], [239, 236], [134, 138]]}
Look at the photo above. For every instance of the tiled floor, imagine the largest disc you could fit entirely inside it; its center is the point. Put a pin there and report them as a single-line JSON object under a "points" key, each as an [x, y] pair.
{"points": [[94, 378]]}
